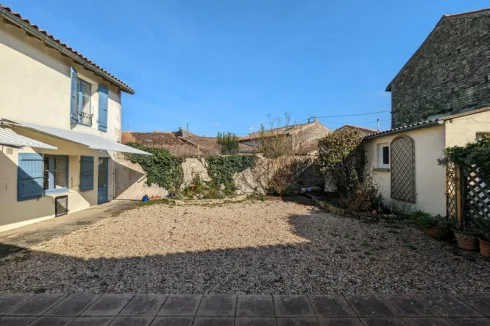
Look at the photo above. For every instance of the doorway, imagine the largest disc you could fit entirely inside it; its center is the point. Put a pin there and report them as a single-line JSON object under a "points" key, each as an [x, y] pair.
{"points": [[102, 182]]}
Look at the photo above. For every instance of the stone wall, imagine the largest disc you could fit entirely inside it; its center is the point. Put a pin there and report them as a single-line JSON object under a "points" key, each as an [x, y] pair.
{"points": [[131, 178], [449, 73]]}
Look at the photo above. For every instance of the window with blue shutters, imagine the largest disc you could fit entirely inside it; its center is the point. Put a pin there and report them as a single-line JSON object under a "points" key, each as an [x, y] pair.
{"points": [[55, 173], [30, 176], [86, 173], [80, 100], [103, 106]]}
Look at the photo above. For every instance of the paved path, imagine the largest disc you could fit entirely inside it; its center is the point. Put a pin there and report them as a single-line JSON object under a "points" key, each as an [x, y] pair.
{"points": [[33, 234], [243, 310]]}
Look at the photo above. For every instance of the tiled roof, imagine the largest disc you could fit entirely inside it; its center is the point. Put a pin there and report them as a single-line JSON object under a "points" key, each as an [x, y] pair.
{"points": [[283, 130], [166, 140], [7, 13], [421, 124], [366, 131], [426, 123]]}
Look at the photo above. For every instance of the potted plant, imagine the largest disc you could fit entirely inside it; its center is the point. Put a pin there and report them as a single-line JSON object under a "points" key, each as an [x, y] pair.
{"points": [[483, 225], [466, 237], [436, 227], [485, 245]]}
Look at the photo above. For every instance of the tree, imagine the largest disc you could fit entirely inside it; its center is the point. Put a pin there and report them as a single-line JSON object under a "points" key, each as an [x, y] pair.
{"points": [[282, 164], [229, 143]]}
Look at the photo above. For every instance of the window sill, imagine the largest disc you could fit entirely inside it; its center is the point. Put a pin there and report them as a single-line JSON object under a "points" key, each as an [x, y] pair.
{"points": [[381, 169], [57, 192]]}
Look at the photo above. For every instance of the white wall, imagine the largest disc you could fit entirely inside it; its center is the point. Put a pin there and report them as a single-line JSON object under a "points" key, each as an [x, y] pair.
{"points": [[35, 83], [15, 213], [463, 130], [430, 178]]}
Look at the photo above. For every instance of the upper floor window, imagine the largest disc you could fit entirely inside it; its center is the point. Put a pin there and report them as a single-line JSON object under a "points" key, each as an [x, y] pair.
{"points": [[84, 94]]}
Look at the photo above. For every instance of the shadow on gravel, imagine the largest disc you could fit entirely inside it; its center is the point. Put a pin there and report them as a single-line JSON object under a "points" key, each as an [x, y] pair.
{"points": [[341, 256]]}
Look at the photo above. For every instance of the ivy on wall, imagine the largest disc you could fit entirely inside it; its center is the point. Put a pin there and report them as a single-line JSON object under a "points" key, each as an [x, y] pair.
{"points": [[222, 168], [161, 168], [477, 153]]}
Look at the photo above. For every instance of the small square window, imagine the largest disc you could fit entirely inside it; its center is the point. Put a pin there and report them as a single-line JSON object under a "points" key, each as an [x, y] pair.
{"points": [[384, 156]]}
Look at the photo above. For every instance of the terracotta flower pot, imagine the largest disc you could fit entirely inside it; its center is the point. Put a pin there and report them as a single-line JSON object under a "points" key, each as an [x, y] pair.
{"points": [[439, 233], [468, 239], [485, 249]]}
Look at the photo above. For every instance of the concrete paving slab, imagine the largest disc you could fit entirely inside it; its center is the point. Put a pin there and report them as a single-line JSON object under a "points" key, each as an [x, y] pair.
{"points": [[92, 321], [250, 321], [293, 306], [16, 321], [297, 322], [479, 302], [36, 305], [216, 305], [409, 306], [448, 306], [144, 304], [214, 321], [469, 321], [73, 305], [369, 306], [382, 322], [172, 321], [52, 321], [181, 305], [132, 321], [339, 322], [255, 306], [426, 322], [10, 300], [331, 306], [108, 305]]}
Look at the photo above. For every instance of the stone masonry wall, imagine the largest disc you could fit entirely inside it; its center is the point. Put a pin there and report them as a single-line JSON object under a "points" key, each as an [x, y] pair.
{"points": [[449, 74]]}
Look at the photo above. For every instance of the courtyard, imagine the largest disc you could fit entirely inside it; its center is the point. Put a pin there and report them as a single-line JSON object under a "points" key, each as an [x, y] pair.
{"points": [[253, 247]]}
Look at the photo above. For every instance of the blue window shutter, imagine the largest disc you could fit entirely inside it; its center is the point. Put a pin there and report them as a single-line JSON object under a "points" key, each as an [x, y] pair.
{"points": [[30, 176], [73, 97], [103, 105], [86, 173]]}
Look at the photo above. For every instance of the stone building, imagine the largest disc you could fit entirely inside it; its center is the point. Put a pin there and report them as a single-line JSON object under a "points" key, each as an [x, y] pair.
{"points": [[448, 74]]}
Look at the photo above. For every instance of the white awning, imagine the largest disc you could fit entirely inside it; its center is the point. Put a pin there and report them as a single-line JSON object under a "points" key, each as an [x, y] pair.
{"points": [[9, 138], [92, 141]]}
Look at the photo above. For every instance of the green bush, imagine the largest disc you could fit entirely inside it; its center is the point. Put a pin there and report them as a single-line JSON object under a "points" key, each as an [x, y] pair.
{"points": [[161, 168]]}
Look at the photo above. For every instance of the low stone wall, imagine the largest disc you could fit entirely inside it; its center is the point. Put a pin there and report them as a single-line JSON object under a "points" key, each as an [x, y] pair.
{"points": [[360, 215]]}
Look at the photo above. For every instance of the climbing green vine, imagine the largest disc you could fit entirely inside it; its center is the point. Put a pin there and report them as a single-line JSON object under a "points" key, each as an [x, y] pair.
{"points": [[477, 153], [162, 168], [222, 168]]}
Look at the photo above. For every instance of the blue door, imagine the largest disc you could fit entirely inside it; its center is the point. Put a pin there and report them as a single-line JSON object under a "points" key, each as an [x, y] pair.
{"points": [[102, 182]]}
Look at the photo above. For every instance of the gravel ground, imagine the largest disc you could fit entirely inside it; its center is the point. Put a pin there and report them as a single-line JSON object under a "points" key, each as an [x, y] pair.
{"points": [[269, 247]]}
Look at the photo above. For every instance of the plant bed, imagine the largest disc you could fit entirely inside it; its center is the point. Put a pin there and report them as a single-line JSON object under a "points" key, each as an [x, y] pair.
{"points": [[467, 239], [439, 233]]}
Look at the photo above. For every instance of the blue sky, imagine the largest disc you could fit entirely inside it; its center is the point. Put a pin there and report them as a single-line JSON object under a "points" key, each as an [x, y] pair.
{"points": [[225, 65]]}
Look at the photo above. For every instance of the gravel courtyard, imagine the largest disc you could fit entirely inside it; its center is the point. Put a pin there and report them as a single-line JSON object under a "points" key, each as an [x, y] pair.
{"points": [[269, 247]]}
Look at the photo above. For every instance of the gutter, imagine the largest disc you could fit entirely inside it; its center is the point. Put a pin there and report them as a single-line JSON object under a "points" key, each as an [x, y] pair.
{"points": [[52, 43], [406, 128]]}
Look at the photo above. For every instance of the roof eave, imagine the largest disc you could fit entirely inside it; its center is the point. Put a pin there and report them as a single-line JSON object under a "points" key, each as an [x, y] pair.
{"points": [[408, 128], [27, 27]]}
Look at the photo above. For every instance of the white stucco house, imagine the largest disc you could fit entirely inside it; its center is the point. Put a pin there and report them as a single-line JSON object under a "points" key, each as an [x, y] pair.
{"points": [[404, 160], [60, 126]]}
